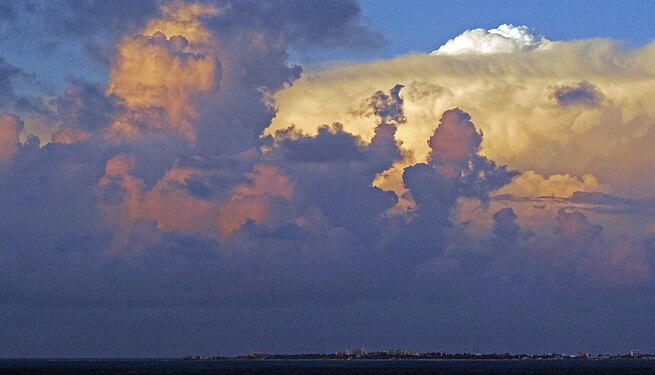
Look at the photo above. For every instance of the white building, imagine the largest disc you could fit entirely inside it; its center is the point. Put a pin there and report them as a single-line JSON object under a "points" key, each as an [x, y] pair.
{"points": [[357, 352]]}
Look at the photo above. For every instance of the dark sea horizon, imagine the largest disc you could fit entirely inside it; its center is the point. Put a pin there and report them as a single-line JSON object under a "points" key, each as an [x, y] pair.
{"points": [[147, 366]]}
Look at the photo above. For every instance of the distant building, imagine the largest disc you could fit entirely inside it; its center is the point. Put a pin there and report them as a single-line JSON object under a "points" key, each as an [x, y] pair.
{"points": [[402, 352], [357, 352], [257, 353], [581, 355], [635, 354]]}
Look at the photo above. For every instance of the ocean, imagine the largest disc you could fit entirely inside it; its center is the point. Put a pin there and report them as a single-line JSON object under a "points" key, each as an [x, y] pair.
{"points": [[324, 367]]}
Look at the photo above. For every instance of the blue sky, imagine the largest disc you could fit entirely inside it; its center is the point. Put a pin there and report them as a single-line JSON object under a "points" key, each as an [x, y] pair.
{"points": [[422, 26], [408, 26]]}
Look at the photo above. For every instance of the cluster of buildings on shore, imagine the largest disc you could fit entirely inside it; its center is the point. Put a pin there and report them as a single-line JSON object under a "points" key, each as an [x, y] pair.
{"points": [[409, 353], [363, 353]]}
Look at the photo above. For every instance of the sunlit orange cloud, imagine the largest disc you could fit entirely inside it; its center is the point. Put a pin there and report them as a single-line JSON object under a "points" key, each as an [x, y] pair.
{"points": [[511, 98], [251, 201], [173, 208], [454, 139], [531, 184], [10, 127], [181, 18], [68, 135], [165, 67], [117, 171], [167, 204], [558, 147]]}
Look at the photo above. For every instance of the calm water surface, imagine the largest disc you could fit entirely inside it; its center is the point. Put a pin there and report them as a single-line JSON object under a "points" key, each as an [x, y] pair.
{"points": [[256, 367]]}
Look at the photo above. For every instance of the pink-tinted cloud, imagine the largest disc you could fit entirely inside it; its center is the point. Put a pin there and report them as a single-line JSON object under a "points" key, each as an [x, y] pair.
{"points": [[455, 139], [126, 204], [164, 69], [250, 201], [68, 135], [174, 208], [10, 128]]}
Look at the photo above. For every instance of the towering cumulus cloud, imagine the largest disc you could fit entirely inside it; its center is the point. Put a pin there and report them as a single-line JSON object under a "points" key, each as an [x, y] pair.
{"points": [[158, 73], [531, 104], [552, 111], [207, 179]]}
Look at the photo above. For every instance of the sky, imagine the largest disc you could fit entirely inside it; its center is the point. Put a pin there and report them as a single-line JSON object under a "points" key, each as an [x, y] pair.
{"points": [[210, 177]]}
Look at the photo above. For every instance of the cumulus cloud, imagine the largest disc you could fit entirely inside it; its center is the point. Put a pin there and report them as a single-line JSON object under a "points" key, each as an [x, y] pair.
{"points": [[506, 38], [455, 169], [613, 261], [179, 67], [455, 138], [511, 96]]}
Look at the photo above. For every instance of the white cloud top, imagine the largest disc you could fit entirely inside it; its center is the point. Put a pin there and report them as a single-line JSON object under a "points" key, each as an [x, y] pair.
{"points": [[506, 38]]}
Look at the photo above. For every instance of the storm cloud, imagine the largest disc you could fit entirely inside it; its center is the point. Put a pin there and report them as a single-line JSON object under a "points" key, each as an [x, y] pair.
{"points": [[205, 174]]}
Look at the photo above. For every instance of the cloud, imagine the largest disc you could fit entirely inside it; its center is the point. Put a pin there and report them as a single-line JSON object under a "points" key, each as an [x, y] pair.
{"points": [[14, 99], [507, 38], [209, 173], [532, 184], [50, 26], [455, 169], [179, 67], [618, 262], [510, 95], [583, 94], [505, 228], [455, 138], [10, 128], [67, 135], [310, 28], [251, 201], [83, 105], [88, 18], [7, 73]]}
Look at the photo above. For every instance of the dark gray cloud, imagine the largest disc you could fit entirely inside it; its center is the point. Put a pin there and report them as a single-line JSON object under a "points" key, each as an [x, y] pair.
{"points": [[51, 28], [8, 73], [308, 24], [456, 168], [387, 107], [86, 18], [85, 105], [582, 94], [505, 229], [12, 99]]}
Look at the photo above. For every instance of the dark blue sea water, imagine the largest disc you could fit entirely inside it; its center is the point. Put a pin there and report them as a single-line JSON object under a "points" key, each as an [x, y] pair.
{"points": [[255, 367]]}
